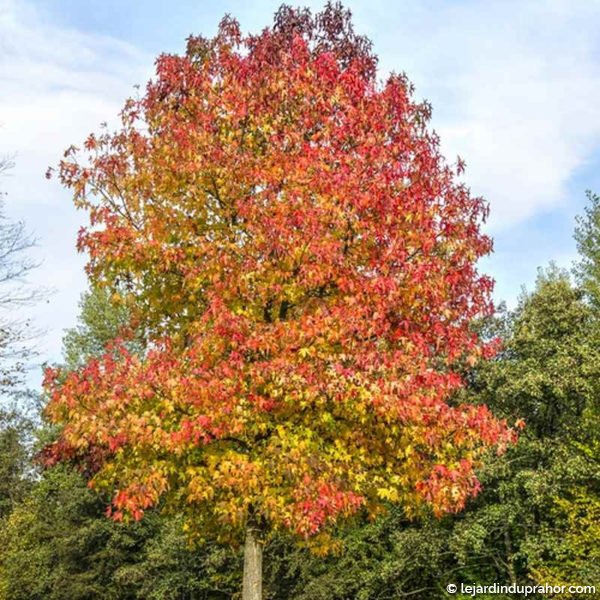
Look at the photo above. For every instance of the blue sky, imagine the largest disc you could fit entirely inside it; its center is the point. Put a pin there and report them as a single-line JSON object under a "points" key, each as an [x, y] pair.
{"points": [[515, 88]]}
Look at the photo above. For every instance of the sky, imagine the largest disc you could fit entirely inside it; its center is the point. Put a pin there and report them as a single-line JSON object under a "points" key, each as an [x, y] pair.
{"points": [[515, 90]]}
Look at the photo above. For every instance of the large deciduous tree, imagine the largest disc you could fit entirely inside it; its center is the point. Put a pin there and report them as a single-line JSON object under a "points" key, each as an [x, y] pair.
{"points": [[302, 263]]}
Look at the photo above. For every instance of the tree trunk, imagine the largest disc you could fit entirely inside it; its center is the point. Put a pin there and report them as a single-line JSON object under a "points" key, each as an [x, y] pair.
{"points": [[253, 552]]}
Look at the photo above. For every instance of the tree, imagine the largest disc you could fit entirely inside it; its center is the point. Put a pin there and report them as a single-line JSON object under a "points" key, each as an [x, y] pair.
{"points": [[100, 321], [15, 349], [567, 552], [302, 263], [15, 334], [548, 374], [569, 547], [59, 544], [15, 454], [56, 544], [587, 236]]}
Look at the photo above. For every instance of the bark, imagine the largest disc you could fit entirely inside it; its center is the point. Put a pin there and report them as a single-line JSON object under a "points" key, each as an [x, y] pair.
{"points": [[253, 554]]}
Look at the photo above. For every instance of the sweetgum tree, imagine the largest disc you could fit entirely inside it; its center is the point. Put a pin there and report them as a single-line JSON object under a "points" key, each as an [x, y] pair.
{"points": [[302, 262]]}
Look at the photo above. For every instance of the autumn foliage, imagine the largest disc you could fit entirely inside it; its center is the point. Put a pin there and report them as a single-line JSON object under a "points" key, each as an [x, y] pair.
{"points": [[302, 262]]}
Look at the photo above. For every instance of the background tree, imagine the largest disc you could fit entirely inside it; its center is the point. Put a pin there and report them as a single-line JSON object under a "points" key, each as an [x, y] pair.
{"points": [[587, 236], [15, 349], [302, 262], [15, 458], [18, 406], [571, 551], [100, 321], [57, 545], [548, 374], [16, 335]]}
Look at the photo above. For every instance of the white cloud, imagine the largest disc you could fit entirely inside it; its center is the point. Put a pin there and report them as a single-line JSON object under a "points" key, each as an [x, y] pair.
{"points": [[514, 87], [57, 85]]}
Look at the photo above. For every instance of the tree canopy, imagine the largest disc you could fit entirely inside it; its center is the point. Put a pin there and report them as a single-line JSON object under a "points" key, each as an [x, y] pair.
{"points": [[302, 261]]}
